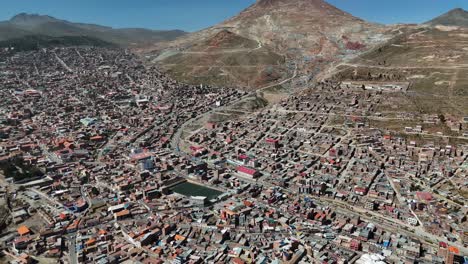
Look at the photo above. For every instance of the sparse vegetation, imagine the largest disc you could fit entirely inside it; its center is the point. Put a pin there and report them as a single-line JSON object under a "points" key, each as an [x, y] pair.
{"points": [[225, 65]]}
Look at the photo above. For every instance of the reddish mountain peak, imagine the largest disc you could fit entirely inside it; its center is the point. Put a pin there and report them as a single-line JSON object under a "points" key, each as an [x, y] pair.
{"points": [[268, 3], [298, 8], [300, 30], [224, 37], [223, 34], [279, 2], [282, 3]]}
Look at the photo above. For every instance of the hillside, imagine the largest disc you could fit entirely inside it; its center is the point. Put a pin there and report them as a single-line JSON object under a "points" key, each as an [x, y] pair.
{"points": [[35, 42], [432, 61], [456, 17], [312, 33], [226, 59], [30, 24]]}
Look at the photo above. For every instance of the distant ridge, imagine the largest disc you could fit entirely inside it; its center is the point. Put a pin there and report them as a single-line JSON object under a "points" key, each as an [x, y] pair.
{"points": [[456, 17], [35, 42], [24, 24]]}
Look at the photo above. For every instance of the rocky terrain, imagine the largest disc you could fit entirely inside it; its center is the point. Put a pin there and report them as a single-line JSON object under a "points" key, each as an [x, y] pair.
{"points": [[350, 147], [226, 59], [455, 17], [311, 33], [432, 60]]}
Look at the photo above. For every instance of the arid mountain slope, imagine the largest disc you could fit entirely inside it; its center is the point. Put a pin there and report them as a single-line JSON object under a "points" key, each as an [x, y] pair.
{"points": [[433, 61], [456, 17], [311, 33], [226, 59]]}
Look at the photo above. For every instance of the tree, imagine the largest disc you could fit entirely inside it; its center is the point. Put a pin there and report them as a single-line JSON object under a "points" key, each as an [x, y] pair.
{"points": [[84, 180], [95, 191]]}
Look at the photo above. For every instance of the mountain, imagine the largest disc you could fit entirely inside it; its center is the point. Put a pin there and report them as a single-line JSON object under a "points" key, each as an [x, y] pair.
{"points": [[226, 59], [432, 61], [35, 42], [456, 17], [312, 33], [29, 21], [32, 24]]}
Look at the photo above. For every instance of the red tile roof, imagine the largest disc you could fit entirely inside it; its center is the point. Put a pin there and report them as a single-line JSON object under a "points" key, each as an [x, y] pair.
{"points": [[243, 156], [272, 140], [246, 170], [23, 230], [424, 196]]}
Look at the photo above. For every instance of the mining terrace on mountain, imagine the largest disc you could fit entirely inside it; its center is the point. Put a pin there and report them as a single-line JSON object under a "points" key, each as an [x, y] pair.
{"points": [[308, 33]]}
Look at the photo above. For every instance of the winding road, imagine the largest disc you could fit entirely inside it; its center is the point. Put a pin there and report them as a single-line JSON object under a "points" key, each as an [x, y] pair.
{"points": [[175, 141], [384, 221]]}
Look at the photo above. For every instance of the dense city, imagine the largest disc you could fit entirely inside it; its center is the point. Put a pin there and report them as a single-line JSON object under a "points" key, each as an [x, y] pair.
{"points": [[101, 164]]}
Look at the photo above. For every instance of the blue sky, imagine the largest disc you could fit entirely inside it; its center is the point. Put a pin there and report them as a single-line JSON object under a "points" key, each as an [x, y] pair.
{"points": [[192, 15]]}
